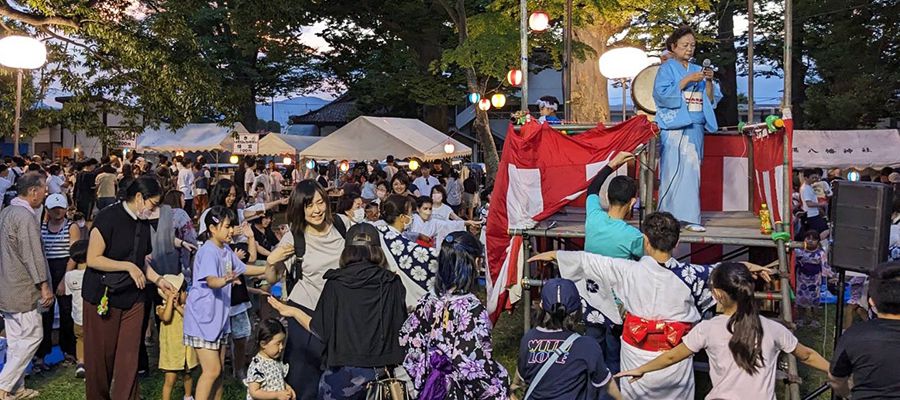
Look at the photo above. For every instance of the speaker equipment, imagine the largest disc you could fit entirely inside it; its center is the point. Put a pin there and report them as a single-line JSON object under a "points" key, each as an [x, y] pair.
{"points": [[860, 217]]}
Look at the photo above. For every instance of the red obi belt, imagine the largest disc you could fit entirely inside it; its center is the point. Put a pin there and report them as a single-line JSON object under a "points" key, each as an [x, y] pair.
{"points": [[651, 335]]}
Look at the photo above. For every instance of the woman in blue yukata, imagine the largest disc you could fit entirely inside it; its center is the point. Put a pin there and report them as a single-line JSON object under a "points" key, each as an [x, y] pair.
{"points": [[686, 97]]}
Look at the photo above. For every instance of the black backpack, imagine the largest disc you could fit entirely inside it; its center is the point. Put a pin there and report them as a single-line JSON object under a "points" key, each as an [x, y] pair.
{"points": [[295, 274]]}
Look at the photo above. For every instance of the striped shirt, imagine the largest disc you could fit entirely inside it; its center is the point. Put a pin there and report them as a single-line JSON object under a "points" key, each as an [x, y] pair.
{"points": [[56, 245]]}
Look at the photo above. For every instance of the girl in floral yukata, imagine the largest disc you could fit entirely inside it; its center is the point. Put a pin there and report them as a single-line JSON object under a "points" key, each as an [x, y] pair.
{"points": [[448, 337]]}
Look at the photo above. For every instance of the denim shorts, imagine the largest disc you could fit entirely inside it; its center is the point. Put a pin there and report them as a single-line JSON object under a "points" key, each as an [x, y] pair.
{"points": [[240, 326]]}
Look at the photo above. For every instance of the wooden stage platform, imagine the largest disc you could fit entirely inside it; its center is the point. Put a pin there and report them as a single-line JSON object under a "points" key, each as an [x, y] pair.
{"points": [[739, 228]]}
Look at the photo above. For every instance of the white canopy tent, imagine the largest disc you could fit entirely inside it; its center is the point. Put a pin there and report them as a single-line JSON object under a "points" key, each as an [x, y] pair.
{"points": [[373, 138], [275, 144], [191, 137], [847, 149]]}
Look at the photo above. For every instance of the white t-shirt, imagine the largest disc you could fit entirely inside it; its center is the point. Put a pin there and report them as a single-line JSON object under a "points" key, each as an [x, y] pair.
{"points": [[323, 253], [73, 280], [186, 183], [730, 381], [277, 181], [441, 213], [54, 184], [425, 185], [807, 193]]}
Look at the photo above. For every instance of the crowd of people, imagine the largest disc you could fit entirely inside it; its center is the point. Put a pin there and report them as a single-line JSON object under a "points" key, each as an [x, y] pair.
{"points": [[368, 284]]}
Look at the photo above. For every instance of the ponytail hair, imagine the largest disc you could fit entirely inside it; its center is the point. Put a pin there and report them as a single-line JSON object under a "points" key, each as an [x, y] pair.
{"points": [[745, 326]]}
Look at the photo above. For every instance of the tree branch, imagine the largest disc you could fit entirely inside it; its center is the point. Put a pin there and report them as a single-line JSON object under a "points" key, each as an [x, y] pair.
{"points": [[7, 10]]}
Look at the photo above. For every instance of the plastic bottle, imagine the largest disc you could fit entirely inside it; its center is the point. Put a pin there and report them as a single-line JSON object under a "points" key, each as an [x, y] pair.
{"points": [[765, 224]]}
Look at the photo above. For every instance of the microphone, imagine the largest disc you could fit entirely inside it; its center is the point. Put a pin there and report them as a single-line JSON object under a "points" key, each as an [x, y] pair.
{"points": [[706, 63]]}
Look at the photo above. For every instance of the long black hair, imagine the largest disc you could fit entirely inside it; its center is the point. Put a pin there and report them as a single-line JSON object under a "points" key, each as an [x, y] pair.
{"points": [[744, 325], [457, 269], [302, 196], [219, 193]]}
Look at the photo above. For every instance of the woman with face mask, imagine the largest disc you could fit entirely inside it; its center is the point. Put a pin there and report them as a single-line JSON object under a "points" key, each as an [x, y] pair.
{"points": [[113, 291], [381, 192], [416, 264], [351, 206]]}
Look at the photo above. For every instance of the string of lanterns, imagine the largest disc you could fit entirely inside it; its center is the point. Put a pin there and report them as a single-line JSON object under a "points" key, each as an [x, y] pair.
{"points": [[539, 21]]}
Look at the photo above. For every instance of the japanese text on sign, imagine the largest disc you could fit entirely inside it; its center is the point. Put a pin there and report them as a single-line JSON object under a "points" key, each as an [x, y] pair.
{"points": [[246, 143]]}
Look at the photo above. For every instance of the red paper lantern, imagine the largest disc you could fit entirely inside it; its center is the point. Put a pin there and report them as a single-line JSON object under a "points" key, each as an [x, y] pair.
{"points": [[539, 21], [514, 77], [484, 104]]}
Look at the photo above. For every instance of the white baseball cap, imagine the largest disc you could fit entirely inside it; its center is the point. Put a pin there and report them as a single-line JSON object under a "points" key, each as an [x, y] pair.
{"points": [[56, 200]]}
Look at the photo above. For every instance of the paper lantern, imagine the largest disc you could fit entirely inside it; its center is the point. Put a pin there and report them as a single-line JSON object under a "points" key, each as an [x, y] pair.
{"points": [[287, 161], [22, 52], [539, 21], [234, 159], [310, 164], [179, 153], [449, 148], [77, 150], [514, 77], [498, 100], [474, 97], [413, 164], [623, 62], [484, 104], [345, 166], [853, 176]]}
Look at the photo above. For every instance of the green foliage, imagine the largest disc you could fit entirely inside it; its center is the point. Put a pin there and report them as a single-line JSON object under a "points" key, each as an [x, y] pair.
{"points": [[851, 56]]}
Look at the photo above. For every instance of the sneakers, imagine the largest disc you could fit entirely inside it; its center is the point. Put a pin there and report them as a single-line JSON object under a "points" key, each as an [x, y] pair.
{"points": [[79, 371], [694, 228]]}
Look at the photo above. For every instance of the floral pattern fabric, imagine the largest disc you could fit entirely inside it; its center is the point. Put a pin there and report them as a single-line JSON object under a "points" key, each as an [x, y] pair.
{"points": [[417, 262], [811, 265], [458, 327], [696, 277]]}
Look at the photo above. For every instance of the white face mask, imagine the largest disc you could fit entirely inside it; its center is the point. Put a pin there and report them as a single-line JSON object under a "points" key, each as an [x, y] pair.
{"points": [[359, 215], [80, 224]]}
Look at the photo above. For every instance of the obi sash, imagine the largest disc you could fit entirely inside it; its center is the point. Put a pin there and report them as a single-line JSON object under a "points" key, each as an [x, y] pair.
{"points": [[653, 335]]}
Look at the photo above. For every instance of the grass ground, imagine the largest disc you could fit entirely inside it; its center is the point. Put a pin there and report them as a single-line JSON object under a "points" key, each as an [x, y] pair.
{"points": [[61, 384]]}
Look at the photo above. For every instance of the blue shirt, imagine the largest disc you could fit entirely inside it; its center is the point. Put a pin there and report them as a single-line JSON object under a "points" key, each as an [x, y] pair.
{"points": [[609, 236], [579, 374]]}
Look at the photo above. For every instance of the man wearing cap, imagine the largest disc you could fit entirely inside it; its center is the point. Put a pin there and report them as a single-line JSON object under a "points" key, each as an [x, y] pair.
{"points": [[663, 299], [578, 372], [24, 284]]}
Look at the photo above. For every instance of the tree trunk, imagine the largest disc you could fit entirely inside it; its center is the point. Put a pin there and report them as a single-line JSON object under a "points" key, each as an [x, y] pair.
{"points": [[483, 135], [727, 110], [590, 95]]}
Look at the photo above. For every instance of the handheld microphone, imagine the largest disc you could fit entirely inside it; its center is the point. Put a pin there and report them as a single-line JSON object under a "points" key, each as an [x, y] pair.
{"points": [[707, 64]]}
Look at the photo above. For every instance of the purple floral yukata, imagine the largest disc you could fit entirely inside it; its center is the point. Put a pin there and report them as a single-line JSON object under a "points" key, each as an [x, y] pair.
{"points": [[458, 327], [810, 266]]}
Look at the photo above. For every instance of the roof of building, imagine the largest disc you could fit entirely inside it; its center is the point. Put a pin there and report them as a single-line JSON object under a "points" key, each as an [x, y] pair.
{"points": [[336, 112]]}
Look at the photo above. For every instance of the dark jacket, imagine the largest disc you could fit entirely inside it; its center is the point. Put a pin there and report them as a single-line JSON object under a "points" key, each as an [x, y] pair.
{"points": [[359, 316]]}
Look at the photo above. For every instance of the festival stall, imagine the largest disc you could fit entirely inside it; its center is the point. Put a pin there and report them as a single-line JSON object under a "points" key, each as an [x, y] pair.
{"points": [[191, 137], [373, 138], [275, 144]]}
